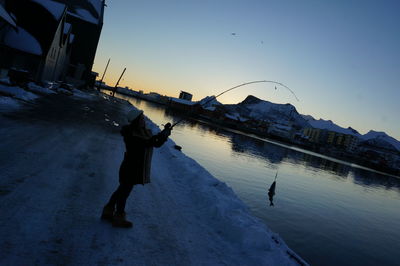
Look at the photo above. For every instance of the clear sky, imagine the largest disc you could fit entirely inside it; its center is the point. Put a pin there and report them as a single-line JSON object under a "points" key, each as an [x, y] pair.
{"points": [[341, 58]]}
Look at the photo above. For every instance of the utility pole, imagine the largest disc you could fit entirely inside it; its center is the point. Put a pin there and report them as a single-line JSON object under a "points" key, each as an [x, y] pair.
{"points": [[116, 85], [101, 81]]}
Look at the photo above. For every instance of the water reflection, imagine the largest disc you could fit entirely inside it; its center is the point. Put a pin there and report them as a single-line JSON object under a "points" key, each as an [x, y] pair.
{"points": [[366, 178], [273, 154]]}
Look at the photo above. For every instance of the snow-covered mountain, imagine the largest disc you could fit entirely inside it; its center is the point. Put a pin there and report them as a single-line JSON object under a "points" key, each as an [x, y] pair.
{"points": [[255, 108], [381, 139]]}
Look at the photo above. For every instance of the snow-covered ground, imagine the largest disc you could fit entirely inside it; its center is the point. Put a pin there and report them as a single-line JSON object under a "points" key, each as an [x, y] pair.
{"points": [[59, 161]]}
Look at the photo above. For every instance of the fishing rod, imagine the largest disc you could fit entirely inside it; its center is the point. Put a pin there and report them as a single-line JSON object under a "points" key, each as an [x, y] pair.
{"points": [[243, 84]]}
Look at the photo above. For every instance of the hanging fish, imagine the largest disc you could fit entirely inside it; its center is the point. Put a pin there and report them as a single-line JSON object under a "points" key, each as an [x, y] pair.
{"points": [[271, 191]]}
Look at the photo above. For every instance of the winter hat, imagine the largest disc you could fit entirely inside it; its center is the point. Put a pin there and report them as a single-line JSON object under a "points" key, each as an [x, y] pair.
{"points": [[133, 114]]}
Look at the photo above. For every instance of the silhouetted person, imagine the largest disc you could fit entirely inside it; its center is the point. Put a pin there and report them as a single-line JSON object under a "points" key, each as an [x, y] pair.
{"points": [[135, 168]]}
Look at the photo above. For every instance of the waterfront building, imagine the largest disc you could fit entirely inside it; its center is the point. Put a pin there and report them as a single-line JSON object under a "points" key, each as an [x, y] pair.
{"points": [[185, 96]]}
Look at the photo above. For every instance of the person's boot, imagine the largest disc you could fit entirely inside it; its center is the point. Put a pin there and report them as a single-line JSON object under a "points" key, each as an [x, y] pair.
{"points": [[119, 220], [108, 213]]}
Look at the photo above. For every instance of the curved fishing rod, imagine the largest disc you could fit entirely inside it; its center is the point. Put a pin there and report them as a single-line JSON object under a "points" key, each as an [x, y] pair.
{"points": [[243, 84]]}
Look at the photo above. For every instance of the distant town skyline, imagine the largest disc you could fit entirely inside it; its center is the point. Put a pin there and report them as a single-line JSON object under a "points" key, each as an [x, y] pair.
{"points": [[341, 58]]}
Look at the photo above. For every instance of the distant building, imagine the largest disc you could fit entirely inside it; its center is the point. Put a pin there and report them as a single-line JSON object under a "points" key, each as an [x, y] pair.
{"points": [[182, 104], [185, 96], [280, 130], [314, 135]]}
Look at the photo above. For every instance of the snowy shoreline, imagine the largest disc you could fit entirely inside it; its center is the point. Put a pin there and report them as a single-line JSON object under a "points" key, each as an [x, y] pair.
{"points": [[184, 217]]}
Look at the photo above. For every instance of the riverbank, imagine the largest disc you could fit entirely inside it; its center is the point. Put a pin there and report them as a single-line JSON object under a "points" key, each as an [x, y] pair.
{"points": [[59, 163], [357, 159]]}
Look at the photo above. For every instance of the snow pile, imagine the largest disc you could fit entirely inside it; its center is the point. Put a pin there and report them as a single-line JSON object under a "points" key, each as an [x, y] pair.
{"points": [[5, 81], [39, 89], [8, 104], [17, 92], [83, 95]]}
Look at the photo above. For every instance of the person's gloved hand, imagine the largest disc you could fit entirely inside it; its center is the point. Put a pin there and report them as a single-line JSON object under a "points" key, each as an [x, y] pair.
{"points": [[167, 130]]}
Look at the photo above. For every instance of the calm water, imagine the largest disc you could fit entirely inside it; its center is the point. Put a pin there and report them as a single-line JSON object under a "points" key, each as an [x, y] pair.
{"points": [[329, 212]]}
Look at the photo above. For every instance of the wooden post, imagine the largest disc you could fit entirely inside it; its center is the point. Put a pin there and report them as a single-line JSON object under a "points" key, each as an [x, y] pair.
{"points": [[101, 81], [116, 85]]}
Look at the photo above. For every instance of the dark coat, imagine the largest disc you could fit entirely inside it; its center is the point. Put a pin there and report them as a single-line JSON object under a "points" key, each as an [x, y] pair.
{"points": [[135, 168]]}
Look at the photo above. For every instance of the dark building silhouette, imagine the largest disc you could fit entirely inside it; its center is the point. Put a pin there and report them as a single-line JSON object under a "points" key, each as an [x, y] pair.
{"points": [[51, 39]]}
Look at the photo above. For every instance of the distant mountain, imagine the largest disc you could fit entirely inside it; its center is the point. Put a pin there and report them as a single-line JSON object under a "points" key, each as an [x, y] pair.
{"points": [[381, 139], [255, 108]]}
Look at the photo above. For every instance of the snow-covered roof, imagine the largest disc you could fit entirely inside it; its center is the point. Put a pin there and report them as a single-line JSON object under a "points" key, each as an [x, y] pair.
{"points": [[97, 5], [282, 127], [22, 40], [55, 8], [182, 101], [4, 15], [236, 117], [210, 108], [84, 15], [209, 101], [230, 116]]}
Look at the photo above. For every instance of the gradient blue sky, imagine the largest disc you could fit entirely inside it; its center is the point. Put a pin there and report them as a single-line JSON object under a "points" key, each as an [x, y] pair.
{"points": [[341, 58]]}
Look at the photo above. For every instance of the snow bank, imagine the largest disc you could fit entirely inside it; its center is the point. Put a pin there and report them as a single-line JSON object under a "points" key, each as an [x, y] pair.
{"points": [[17, 92], [8, 104], [39, 89]]}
